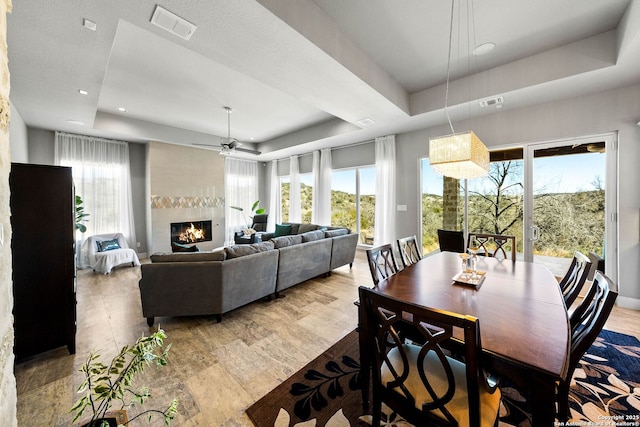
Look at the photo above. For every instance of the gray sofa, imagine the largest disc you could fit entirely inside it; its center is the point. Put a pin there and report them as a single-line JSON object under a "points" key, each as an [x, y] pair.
{"points": [[214, 283], [206, 283]]}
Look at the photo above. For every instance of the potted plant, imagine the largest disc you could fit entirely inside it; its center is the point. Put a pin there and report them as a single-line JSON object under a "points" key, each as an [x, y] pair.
{"points": [[81, 216], [255, 210], [106, 385]]}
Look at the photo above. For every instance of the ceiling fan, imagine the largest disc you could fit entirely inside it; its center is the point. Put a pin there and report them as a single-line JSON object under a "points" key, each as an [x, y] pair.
{"points": [[229, 145]]}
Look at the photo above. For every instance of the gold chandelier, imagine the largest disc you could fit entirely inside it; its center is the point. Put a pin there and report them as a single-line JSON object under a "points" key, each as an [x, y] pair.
{"points": [[459, 155]]}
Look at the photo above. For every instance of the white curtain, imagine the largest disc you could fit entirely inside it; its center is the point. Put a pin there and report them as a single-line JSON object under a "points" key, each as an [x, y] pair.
{"points": [[321, 213], [102, 178], [275, 201], [241, 190], [295, 202], [385, 219]]}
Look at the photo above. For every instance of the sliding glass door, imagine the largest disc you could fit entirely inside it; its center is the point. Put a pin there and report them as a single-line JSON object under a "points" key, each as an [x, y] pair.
{"points": [[570, 200]]}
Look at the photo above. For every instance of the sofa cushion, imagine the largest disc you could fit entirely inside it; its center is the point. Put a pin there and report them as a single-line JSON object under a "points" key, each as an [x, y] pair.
{"points": [[306, 227], [282, 230], [336, 232], [218, 255], [284, 241], [310, 236], [295, 227], [237, 251]]}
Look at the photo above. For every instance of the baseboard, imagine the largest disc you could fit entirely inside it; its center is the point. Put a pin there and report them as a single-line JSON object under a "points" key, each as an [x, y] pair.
{"points": [[626, 302]]}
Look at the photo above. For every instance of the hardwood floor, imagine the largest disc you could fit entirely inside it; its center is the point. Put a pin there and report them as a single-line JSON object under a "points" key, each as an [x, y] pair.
{"points": [[216, 370]]}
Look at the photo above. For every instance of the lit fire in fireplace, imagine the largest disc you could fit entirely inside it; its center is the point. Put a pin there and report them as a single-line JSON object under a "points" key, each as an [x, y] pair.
{"points": [[193, 234]]}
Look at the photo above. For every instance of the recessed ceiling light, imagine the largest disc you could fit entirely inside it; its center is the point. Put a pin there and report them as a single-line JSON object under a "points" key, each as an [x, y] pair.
{"points": [[75, 122], [124, 110], [483, 49], [89, 24], [83, 92]]}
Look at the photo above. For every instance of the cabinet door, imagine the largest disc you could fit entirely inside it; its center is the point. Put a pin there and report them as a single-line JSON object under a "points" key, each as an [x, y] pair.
{"points": [[42, 246]]}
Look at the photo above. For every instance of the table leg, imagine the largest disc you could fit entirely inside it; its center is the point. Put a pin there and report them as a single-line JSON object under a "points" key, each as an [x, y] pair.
{"points": [[543, 400]]}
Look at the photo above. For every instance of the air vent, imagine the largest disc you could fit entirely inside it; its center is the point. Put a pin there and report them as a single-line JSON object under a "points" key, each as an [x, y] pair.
{"points": [[172, 23], [497, 101]]}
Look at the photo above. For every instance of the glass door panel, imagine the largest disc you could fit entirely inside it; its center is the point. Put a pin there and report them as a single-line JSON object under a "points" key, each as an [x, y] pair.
{"points": [[566, 203]]}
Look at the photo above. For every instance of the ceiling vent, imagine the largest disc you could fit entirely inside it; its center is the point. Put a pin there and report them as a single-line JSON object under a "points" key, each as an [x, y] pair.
{"points": [[172, 23], [497, 101]]}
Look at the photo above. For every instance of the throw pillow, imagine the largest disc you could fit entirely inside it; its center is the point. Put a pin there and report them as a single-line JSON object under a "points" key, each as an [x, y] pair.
{"points": [[179, 247], [108, 245], [282, 230]]}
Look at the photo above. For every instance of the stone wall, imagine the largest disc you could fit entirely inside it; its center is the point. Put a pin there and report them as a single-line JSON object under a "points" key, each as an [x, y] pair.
{"points": [[451, 209], [8, 394]]}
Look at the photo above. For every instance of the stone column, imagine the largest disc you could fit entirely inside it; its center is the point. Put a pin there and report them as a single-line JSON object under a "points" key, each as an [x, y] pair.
{"points": [[450, 203], [8, 393]]}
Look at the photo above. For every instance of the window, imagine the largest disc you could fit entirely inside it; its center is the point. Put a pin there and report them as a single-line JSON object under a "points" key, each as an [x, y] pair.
{"points": [[306, 196], [353, 201], [285, 186], [432, 206]]}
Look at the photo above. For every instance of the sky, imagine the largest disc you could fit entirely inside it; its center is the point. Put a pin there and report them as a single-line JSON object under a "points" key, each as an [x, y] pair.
{"points": [[562, 174]]}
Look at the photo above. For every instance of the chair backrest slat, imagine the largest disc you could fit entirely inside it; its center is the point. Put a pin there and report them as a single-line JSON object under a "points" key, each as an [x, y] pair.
{"points": [[494, 245], [410, 253], [573, 281], [382, 262]]}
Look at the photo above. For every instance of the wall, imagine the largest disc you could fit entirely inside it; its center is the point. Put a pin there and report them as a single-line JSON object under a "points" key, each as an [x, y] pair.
{"points": [[8, 393], [18, 138], [184, 184]]}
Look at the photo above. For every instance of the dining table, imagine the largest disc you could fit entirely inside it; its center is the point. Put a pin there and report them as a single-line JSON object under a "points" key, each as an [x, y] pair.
{"points": [[523, 320]]}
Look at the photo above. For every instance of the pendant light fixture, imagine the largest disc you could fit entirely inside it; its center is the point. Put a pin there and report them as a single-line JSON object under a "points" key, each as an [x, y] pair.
{"points": [[458, 155]]}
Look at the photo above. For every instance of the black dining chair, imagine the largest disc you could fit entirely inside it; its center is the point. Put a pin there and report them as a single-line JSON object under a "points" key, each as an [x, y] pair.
{"points": [[575, 277], [420, 382], [494, 245], [382, 262], [586, 322], [451, 240], [409, 251]]}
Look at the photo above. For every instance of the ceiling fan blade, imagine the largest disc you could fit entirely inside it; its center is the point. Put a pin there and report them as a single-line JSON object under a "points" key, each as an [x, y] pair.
{"points": [[248, 150]]}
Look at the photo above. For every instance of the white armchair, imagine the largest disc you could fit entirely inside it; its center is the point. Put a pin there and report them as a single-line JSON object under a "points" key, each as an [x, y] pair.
{"points": [[104, 259]]}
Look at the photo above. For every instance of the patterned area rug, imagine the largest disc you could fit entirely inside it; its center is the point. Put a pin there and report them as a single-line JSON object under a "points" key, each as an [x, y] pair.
{"points": [[326, 392]]}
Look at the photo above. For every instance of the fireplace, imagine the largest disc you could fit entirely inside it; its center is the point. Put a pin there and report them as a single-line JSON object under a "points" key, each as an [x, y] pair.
{"points": [[191, 231]]}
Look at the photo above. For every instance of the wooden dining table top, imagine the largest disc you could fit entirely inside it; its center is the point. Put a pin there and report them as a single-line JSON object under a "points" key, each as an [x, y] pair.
{"points": [[523, 319]]}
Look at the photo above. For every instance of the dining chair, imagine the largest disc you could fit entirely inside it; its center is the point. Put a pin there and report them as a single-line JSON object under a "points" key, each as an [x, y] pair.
{"points": [[451, 240], [409, 251], [420, 382], [586, 322], [575, 277], [382, 262], [494, 245]]}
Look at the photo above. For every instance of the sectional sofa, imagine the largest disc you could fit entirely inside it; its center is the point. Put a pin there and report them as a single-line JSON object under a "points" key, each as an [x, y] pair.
{"points": [[214, 283]]}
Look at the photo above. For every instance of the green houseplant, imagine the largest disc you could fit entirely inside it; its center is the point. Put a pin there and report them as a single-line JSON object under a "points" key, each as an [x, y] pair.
{"points": [[107, 384], [81, 216], [255, 210]]}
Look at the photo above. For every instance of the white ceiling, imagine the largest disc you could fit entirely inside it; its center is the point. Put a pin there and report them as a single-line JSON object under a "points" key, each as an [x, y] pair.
{"points": [[300, 74]]}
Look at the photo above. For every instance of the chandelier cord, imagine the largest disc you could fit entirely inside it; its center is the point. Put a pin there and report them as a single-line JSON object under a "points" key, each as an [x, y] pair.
{"points": [[446, 93]]}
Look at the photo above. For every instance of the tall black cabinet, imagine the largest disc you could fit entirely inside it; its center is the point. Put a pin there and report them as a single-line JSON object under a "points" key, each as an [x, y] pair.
{"points": [[42, 205]]}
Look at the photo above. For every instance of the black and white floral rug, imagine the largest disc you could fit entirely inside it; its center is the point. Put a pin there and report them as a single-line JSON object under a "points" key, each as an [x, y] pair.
{"points": [[605, 388]]}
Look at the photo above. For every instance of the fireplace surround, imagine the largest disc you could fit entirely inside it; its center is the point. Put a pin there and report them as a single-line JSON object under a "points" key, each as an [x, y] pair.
{"points": [[191, 231]]}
